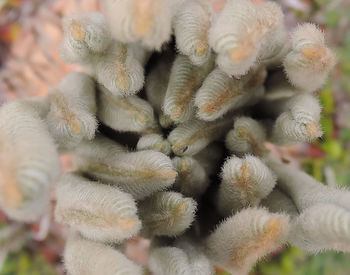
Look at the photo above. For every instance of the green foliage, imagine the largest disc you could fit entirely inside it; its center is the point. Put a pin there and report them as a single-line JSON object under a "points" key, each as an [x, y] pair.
{"points": [[294, 261], [332, 18], [332, 148], [25, 262]]}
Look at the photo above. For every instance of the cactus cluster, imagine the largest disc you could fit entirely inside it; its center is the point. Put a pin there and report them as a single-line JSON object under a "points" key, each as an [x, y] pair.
{"points": [[167, 128]]}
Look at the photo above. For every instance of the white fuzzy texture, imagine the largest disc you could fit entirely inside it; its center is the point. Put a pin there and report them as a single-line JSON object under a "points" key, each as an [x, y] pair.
{"points": [[154, 142], [29, 161], [99, 212], [278, 202], [236, 31], [192, 179], [239, 33], [138, 173], [166, 214], [247, 137], [165, 121], [199, 262], [85, 257], [274, 51], [185, 79], [241, 240], [310, 61], [275, 45], [191, 25], [119, 71], [84, 35], [146, 21], [300, 122], [117, 66], [141, 54], [176, 5], [322, 227], [245, 182], [191, 137], [169, 260], [305, 190], [220, 93], [102, 146], [184, 259], [72, 110], [125, 114]]}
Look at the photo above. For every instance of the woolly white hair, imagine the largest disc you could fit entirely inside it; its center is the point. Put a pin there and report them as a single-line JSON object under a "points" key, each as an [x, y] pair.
{"points": [[247, 137], [194, 135], [191, 25], [310, 61], [244, 238], [300, 122], [199, 262], [107, 148], [305, 190], [184, 259], [236, 41], [146, 21], [245, 182], [83, 256], [141, 54], [176, 5], [119, 71], [117, 66], [138, 173], [278, 202], [115, 191], [166, 214], [169, 260], [84, 35], [99, 212], [154, 142], [322, 227], [240, 32], [274, 47], [192, 179], [185, 79], [29, 161], [125, 114], [72, 110], [220, 93]]}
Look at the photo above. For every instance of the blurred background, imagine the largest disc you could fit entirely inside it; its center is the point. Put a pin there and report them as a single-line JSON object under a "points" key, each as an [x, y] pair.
{"points": [[30, 34]]}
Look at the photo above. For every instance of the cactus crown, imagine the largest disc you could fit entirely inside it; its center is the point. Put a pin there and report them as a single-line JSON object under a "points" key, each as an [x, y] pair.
{"points": [[147, 125]]}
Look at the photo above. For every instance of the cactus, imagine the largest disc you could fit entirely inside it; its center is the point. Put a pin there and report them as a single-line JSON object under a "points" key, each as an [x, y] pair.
{"points": [[166, 214], [244, 183], [245, 237], [168, 139], [72, 115], [99, 212], [308, 63], [106, 259]]}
